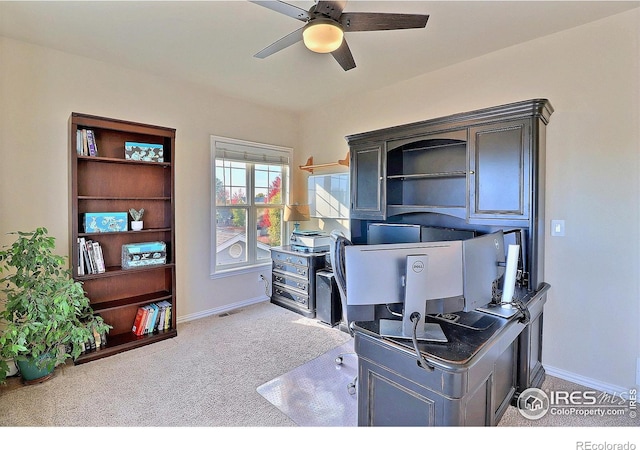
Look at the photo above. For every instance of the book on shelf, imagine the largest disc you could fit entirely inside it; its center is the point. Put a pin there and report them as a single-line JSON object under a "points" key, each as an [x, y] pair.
{"points": [[86, 143], [91, 143], [152, 317], [85, 146], [81, 269], [167, 315], [99, 258], [163, 311], [79, 143], [94, 342], [137, 323], [91, 258]]}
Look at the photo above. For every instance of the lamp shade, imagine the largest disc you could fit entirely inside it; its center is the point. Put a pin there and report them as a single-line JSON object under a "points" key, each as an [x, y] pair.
{"points": [[322, 36], [296, 213]]}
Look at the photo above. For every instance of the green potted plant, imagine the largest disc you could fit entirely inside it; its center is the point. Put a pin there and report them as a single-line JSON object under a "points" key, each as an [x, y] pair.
{"points": [[136, 219], [46, 317]]}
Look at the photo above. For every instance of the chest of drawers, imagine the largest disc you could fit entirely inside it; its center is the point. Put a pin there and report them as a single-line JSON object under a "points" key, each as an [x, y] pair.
{"points": [[293, 278]]}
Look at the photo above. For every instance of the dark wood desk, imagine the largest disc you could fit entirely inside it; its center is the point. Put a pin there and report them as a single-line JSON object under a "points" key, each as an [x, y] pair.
{"points": [[477, 374]]}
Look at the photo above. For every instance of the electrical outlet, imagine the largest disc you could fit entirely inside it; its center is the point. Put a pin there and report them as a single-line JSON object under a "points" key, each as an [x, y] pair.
{"points": [[557, 228]]}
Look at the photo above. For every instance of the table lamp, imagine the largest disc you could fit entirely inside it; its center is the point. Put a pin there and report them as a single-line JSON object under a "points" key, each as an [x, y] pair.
{"points": [[296, 214]]}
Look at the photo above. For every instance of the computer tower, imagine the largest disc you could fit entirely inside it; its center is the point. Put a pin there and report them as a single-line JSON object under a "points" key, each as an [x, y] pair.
{"points": [[328, 305]]}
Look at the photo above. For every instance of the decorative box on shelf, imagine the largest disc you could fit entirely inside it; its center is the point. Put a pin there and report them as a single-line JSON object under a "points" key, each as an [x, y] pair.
{"points": [[105, 222], [144, 254], [138, 151]]}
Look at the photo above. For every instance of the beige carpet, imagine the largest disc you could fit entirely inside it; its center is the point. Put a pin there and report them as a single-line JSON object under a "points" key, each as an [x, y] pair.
{"points": [[208, 376], [205, 377]]}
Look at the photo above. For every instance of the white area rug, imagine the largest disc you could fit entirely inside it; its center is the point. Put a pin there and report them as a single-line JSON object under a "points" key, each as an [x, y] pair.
{"points": [[316, 394]]}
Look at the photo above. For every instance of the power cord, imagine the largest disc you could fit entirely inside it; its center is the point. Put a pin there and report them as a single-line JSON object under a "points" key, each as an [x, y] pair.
{"points": [[415, 318], [525, 315], [266, 285]]}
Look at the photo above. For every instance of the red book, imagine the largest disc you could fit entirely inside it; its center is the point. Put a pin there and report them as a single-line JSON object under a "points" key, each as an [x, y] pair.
{"points": [[138, 323]]}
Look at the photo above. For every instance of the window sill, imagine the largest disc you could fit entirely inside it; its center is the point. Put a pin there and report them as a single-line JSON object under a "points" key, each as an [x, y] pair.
{"points": [[240, 270]]}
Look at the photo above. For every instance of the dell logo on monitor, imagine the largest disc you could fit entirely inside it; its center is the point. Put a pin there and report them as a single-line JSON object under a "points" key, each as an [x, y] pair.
{"points": [[418, 266]]}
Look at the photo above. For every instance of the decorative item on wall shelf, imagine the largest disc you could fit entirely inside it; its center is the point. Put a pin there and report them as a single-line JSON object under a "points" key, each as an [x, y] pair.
{"points": [[136, 216], [144, 254], [138, 151], [105, 222], [310, 166]]}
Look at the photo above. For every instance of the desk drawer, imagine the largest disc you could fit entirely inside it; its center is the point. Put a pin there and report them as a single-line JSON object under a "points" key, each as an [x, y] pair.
{"points": [[298, 283], [291, 295], [285, 268], [286, 258]]}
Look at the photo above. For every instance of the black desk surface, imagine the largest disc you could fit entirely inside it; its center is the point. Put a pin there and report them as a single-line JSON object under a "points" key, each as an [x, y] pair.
{"points": [[463, 343]]}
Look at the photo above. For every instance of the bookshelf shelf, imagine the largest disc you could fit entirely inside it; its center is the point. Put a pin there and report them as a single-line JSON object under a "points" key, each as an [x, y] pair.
{"points": [[109, 182]]}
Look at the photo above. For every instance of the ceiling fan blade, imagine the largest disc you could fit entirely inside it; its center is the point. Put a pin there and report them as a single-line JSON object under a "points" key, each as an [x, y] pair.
{"points": [[285, 8], [344, 57], [331, 9], [280, 44], [381, 21]]}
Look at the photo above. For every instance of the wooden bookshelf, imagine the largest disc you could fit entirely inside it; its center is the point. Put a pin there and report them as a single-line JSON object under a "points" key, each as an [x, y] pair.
{"points": [[109, 182]]}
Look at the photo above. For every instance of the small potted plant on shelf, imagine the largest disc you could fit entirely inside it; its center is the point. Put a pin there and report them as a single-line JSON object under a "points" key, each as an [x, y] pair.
{"points": [[136, 216], [47, 317]]}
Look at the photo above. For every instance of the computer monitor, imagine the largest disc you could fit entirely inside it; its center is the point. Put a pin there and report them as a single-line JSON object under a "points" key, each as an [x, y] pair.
{"points": [[427, 277], [386, 274], [483, 260], [387, 233]]}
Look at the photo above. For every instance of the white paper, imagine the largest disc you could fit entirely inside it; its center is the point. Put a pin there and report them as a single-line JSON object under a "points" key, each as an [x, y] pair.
{"points": [[510, 274]]}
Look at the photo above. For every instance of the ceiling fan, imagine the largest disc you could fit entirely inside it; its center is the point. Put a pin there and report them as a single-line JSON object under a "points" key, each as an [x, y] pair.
{"points": [[325, 25]]}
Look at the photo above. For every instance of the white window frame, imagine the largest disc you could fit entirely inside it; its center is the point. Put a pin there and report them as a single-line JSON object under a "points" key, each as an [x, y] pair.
{"points": [[253, 153]]}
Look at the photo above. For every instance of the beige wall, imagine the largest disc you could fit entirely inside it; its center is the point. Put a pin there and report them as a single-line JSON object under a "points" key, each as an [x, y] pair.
{"points": [[590, 74], [39, 88]]}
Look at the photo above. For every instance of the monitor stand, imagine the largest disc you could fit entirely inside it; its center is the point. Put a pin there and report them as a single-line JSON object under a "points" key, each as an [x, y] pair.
{"points": [[430, 331], [505, 311]]}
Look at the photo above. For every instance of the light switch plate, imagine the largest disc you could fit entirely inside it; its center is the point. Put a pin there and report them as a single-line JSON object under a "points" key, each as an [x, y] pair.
{"points": [[557, 228]]}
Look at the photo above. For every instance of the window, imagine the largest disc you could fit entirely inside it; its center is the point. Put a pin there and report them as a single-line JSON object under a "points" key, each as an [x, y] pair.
{"points": [[249, 191]]}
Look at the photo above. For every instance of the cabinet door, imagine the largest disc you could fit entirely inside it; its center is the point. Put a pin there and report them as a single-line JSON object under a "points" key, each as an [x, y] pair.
{"points": [[499, 166], [367, 186]]}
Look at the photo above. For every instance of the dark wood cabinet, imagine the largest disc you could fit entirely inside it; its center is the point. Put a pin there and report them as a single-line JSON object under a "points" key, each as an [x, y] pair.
{"points": [[368, 190], [479, 171], [293, 279], [109, 182], [500, 171], [427, 174]]}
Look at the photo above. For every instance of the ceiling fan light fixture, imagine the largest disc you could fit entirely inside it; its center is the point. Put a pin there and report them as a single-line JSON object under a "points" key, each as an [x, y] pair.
{"points": [[322, 36]]}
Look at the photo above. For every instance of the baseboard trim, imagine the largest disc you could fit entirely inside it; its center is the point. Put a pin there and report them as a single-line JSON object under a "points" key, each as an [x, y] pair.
{"points": [[222, 309], [585, 381]]}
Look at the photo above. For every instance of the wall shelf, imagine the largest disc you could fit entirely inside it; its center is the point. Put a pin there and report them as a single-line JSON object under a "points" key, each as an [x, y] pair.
{"points": [[310, 166]]}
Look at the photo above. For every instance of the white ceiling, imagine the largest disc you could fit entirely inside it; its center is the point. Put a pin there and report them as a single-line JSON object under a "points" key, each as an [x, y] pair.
{"points": [[212, 43]]}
